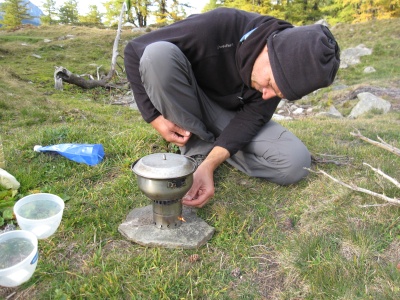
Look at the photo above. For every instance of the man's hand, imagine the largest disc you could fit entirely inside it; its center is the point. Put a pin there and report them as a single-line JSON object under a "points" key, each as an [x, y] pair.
{"points": [[203, 189], [171, 132]]}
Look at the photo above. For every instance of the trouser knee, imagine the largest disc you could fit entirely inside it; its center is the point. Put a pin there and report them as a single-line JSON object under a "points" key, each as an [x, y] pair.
{"points": [[160, 62], [294, 171]]}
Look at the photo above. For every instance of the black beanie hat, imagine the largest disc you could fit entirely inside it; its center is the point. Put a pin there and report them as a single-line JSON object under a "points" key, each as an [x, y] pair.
{"points": [[303, 59]]}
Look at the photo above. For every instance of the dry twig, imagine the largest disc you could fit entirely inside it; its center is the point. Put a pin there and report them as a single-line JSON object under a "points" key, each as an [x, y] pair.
{"points": [[381, 144], [391, 179], [338, 160], [358, 189]]}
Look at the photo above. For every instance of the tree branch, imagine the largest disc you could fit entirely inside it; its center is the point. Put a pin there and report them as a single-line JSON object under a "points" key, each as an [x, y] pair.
{"points": [[381, 144], [61, 74], [358, 189], [391, 179]]}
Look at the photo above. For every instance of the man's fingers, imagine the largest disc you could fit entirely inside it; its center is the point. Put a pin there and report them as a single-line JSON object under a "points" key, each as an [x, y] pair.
{"points": [[180, 140], [199, 202], [181, 131]]}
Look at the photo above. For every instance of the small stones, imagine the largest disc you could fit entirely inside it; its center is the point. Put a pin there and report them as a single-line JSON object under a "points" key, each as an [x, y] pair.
{"points": [[236, 273], [194, 257]]}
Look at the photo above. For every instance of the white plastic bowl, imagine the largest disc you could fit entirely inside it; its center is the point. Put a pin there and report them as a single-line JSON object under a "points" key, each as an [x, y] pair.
{"points": [[40, 214], [19, 256]]}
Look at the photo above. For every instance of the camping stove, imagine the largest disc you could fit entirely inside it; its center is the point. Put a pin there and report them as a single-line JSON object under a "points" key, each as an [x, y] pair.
{"points": [[165, 178], [167, 214]]}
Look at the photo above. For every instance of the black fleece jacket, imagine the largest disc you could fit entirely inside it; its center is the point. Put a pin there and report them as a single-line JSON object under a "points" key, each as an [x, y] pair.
{"points": [[221, 63]]}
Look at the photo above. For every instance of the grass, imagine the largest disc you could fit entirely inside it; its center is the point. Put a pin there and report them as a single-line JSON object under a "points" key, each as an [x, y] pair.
{"points": [[383, 39], [312, 240]]}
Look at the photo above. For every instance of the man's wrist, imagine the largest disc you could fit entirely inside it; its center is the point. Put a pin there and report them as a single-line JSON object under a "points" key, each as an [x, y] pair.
{"points": [[215, 158]]}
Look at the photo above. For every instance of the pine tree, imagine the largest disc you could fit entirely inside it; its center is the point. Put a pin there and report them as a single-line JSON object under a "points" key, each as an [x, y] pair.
{"points": [[49, 7], [68, 13], [92, 18], [14, 12]]}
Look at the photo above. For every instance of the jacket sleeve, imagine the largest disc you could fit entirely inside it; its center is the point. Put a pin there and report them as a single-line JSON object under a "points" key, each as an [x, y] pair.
{"points": [[132, 61], [246, 124]]}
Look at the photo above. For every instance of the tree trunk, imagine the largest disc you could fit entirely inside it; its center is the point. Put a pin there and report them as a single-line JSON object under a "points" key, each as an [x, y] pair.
{"points": [[61, 74]]}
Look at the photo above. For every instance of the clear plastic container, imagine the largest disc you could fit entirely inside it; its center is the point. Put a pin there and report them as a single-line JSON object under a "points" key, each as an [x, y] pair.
{"points": [[19, 256], [40, 213]]}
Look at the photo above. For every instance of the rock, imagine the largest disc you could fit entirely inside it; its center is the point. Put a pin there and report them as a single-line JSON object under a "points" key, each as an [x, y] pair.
{"points": [[339, 87], [236, 272], [351, 56], [280, 117], [139, 228], [46, 40], [369, 70], [281, 104], [368, 102], [298, 111], [332, 113], [133, 106]]}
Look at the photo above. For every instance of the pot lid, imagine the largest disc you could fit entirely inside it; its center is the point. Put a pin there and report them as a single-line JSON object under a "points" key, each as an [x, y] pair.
{"points": [[164, 166]]}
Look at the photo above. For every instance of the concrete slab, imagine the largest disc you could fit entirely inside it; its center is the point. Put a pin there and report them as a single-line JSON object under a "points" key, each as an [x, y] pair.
{"points": [[139, 228]]}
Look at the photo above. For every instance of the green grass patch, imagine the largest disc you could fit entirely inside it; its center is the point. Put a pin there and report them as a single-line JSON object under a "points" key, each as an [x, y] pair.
{"points": [[312, 240]]}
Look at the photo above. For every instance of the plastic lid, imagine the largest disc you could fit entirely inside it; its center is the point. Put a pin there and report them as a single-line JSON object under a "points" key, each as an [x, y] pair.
{"points": [[164, 166]]}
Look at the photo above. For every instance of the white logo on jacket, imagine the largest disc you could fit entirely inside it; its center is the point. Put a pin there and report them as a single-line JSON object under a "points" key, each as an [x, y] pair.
{"points": [[225, 46]]}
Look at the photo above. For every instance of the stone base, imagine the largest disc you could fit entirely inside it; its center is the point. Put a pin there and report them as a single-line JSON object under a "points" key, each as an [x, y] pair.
{"points": [[139, 228]]}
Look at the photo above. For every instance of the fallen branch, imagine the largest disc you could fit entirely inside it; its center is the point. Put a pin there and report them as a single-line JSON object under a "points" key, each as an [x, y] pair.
{"points": [[62, 74], [375, 205], [358, 189], [338, 160], [381, 144], [391, 179]]}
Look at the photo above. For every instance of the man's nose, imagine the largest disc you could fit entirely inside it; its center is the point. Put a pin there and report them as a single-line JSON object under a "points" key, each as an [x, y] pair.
{"points": [[268, 93]]}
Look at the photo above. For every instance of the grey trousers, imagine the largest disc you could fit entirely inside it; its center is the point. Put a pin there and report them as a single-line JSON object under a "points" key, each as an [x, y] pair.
{"points": [[274, 153]]}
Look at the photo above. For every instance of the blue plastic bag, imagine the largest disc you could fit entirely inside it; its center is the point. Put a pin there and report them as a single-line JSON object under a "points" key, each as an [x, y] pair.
{"points": [[90, 154]]}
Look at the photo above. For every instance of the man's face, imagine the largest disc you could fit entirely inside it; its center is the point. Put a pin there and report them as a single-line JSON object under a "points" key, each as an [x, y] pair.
{"points": [[262, 78]]}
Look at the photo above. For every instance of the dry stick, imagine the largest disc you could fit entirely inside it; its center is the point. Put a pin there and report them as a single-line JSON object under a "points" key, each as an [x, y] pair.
{"points": [[340, 159], [391, 179], [358, 189], [11, 295], [381, 144]]}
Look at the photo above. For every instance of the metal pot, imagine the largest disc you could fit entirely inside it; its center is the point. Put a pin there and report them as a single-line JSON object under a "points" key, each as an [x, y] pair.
{"points": [[164, 176]]}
